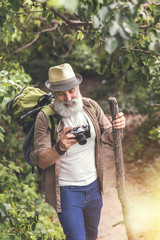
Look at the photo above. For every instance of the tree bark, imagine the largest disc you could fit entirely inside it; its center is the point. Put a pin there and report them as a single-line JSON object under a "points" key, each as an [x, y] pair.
{"points": [[119, 166]]}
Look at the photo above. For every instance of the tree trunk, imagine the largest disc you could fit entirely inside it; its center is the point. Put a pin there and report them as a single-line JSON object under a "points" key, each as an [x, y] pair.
{"points": [[119, 165]]}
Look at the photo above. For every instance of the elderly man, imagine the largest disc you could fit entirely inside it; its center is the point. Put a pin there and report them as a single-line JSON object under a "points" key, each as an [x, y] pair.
{"points": [[72, 174]]}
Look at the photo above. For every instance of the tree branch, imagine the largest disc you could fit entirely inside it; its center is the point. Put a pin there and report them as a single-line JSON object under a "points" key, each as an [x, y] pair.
{"points": [[147, 26], [35, 39], [24, 13], [30, 43], [140, 51], [70, 48], [72, 23], [45, 20]]}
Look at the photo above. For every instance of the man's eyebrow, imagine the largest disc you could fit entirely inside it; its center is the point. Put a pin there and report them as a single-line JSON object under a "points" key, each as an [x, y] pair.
{"points": [[60, 91]]}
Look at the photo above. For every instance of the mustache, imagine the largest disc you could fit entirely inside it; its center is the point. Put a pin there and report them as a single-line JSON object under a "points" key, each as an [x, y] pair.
{"points": [[72, 101]]}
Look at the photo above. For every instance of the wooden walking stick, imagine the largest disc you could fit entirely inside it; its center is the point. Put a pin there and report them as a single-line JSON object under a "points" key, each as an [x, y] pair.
{"points": [[119, 166]]}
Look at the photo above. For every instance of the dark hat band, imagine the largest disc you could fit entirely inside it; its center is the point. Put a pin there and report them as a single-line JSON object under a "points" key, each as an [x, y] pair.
{"points": [[63, 81], [65, 84]]}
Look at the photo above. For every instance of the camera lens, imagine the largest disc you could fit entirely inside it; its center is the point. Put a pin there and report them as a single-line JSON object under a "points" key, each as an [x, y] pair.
{"points": [[81, 138]]}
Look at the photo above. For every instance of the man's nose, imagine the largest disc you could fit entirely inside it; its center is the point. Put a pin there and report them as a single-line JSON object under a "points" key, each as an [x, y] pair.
{"points": [[68, 97]]}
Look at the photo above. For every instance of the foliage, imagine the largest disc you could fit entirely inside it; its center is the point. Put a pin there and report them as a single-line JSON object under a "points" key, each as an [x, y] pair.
{"points": [[143, 145], [23, 213], [154, 133], [12, 79], [123, 36], [112, 24]]}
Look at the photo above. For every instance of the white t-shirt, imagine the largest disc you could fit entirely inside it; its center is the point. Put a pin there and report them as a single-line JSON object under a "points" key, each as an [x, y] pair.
{"points": [[78, 163]]}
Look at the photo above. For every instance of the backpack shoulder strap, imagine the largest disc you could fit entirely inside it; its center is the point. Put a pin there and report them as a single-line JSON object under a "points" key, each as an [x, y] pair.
{"points": [[48, 111], [90, 102], [93, 107], [52, 120]]}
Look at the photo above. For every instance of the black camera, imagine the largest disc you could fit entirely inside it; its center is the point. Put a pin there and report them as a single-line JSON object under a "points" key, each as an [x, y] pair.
{"points": [[81, 133]]}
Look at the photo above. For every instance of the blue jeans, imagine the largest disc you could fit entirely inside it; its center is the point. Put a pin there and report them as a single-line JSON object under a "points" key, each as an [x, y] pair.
{"points": [[81, 209]]}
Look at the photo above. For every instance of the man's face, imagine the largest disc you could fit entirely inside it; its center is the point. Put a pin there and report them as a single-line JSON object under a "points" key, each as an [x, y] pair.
{"points": [[67, 103], [67, 96]]}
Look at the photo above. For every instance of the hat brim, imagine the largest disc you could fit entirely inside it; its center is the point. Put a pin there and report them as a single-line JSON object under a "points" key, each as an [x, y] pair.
{"points": [[66, 86]]}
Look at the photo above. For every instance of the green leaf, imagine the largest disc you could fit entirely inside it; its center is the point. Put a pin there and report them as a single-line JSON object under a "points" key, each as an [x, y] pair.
{"points": [[80, 35], [2, 129], [50, 17], [45, 13], [145, 70], [110, 44], [131, 76], [95, 21], [102, 66], [60, 22], [151, 7], [102, 13], [152, 61], [1, 99], [156, 18], [33, 226], [3, 73], [7, 206], [151, 46], [130, 27], [95, 5], [157, 47], [122, 33], [131, 7], [15, 4], [11, 82], [3, 13], [157, 8], [125, 63], [113, 28], [118, 14], [70, 5], [1, 33], [11, 28], [113, 5], [1, 137], [41, 1], [3, 209]]}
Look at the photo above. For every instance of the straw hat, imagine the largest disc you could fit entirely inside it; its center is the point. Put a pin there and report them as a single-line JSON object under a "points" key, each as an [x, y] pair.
{"points": [[62, 78]]}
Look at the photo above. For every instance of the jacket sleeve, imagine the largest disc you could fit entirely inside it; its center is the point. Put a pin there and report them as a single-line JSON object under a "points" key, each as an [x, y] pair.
{"points": [[42, 137]]}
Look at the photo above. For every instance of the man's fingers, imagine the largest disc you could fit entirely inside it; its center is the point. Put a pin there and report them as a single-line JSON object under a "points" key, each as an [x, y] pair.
{"points": [[110, 118], [120, 121], [119, 126], [120, 115], [67, 139], [65, 130]]}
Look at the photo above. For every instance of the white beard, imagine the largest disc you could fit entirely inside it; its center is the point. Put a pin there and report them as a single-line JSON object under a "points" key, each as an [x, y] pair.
{"points": [[64, 111]]}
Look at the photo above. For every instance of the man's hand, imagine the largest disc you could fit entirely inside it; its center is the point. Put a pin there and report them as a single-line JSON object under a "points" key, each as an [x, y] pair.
{"points": [[119, 122], [67, 139]]}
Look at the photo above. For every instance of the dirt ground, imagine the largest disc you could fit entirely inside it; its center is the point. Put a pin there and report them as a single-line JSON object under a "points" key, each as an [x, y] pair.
{"points": [[143, 191], [111, 211]]}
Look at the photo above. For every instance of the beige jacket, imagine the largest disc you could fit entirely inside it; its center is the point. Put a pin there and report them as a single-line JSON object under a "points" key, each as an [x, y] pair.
{"points": [[42, 141]]}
